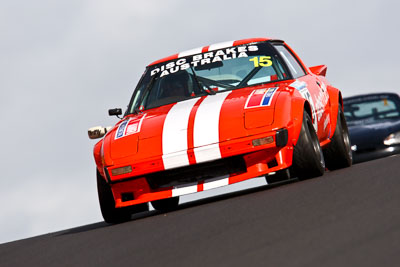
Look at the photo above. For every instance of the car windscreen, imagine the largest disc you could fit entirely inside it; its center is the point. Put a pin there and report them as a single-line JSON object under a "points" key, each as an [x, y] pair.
{"points": [[370, 109], [206, 73]]}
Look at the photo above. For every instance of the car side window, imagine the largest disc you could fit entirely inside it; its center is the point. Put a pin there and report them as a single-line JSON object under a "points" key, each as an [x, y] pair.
{"points": [[292, 63]]}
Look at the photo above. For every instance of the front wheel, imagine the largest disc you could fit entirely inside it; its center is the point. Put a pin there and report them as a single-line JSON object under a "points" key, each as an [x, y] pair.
{"points": [[308, 158], [338, 154], [110, 213]]}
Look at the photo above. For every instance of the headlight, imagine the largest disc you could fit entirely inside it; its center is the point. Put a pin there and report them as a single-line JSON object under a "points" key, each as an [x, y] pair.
{"points": [[392, 139], [98, 132]]}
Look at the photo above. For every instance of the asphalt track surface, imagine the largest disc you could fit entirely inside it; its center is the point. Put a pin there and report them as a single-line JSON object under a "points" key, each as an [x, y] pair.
{"points": [[348, 217]]}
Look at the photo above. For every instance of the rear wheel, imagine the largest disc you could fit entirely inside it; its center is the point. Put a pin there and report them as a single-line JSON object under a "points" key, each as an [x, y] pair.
{"points": [[166, 204], [110, 213], [308, 158], [338, 154]]}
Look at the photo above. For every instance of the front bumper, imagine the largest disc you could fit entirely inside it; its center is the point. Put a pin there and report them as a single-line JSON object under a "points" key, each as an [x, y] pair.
{"points": [[240, 146], [241, 159], [139, 190]]}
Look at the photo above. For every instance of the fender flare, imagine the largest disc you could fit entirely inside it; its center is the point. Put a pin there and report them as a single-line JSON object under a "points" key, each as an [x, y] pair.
{"points": [[335, 99], [98, 157], [299, 105]]}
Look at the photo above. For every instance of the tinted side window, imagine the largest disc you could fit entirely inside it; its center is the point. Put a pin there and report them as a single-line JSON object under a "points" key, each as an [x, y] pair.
{"points": [[293, 65]]}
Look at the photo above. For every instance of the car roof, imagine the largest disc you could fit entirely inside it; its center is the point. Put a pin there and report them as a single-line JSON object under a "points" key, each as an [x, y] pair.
{"points": [[212, 47]]}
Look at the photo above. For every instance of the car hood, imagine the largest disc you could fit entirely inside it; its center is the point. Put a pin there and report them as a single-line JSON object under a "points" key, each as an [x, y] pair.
{"points": [[372, 135], [193, 123]]}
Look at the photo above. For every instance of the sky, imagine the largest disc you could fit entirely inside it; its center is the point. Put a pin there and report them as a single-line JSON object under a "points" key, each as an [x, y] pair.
{"points": [[63, 64]]}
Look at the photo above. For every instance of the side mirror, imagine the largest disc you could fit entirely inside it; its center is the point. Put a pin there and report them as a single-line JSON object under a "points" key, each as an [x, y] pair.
{"points": [[115, 112], [98, 132], [319, 70]]}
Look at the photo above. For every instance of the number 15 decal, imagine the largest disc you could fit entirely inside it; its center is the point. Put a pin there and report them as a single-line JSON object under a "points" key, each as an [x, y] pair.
{"points": [[262, 61]]}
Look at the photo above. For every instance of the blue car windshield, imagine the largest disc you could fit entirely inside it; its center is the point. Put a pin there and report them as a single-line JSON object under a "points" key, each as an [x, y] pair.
{"points": [[210, 72], [372, 108]]}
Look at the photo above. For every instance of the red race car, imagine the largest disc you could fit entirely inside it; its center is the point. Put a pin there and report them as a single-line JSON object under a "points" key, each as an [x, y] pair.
{"points": [[218, 115]]}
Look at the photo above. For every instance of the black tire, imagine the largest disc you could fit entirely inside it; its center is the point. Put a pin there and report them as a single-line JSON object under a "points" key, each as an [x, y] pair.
{"points": [[308, 158], [338, 154], [279, 176], [110, 213], [166, 204]]}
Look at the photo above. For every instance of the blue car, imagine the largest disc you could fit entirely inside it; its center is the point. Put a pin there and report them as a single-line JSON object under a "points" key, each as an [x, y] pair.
{"points": [[374, 125]]}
